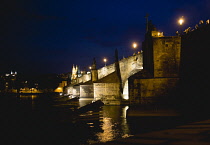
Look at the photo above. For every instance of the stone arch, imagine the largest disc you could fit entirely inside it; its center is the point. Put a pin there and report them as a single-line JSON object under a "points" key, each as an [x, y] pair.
{"points": [[125, 94]]}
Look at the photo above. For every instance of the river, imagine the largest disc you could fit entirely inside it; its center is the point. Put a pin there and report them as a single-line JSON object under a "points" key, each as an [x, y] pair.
{"points": [[50, 119]]}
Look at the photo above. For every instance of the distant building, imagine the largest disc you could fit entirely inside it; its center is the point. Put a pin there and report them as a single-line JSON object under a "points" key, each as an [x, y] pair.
{"points": [[59, 89], [8, 82]]}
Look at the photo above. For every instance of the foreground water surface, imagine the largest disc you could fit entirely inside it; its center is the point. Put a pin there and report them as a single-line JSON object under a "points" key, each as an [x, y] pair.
{"points": [[51, 119]]}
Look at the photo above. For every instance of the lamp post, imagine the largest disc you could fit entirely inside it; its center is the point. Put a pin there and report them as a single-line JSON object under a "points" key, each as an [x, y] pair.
{"points": [[181, 21], [105, 60], [134, 46]]}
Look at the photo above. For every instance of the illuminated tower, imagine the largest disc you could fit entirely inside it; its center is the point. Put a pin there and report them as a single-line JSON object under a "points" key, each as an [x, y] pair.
{"points": [[74, 72], [161, 53]]}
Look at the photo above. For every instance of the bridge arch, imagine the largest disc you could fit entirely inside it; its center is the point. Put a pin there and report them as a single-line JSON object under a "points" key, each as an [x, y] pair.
{"points": [[125, 84], [129, 67]]}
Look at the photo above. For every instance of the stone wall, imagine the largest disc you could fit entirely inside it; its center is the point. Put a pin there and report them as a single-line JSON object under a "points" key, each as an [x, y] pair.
{"points": [[152, 90], [106, 90], [86, 91], [76, 90], [157, 87], [166, 53], [68, 90], [160, 77]]}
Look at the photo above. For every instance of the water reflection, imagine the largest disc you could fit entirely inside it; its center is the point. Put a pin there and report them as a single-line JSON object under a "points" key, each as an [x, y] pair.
{"points": [[28, 96], [113, 124], [53, 113], [108, 131], [27, 100]]}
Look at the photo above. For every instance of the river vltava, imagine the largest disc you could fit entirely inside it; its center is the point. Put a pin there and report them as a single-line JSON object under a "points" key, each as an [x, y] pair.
{"points": [[51, 119]]}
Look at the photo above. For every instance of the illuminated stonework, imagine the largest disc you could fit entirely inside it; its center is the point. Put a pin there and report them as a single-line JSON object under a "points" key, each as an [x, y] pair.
{"points": [[160, 75], [109, 83], [106, 91]]}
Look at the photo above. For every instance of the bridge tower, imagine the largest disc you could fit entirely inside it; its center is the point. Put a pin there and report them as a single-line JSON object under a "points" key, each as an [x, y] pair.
{"points": [[161, 66]]}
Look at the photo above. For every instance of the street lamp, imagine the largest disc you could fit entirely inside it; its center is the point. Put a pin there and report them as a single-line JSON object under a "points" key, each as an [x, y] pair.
{"points": [[181, 21], [134, 46], [105, 60]]}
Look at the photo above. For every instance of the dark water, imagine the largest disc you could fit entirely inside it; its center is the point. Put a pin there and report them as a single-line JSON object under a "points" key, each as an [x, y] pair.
{"points": [[51, 119]]}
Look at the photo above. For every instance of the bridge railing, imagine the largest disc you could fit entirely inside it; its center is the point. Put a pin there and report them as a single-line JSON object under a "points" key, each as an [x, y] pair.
{"points": [[84, 78], [106, 70]]}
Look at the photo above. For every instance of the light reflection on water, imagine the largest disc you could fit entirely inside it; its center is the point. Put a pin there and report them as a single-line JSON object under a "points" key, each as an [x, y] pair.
{"points": [[108, 133], [29, 98], [105, 124], [113, 124]]}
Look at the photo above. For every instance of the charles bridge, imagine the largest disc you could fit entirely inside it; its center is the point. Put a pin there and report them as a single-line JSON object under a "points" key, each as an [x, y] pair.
{"points": [[164, 69], [109, 82]]}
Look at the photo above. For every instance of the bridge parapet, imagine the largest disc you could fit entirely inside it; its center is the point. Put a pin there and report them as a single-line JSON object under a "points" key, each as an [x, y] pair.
{"points": [[127, 65], [84, 78], [106, 70]]}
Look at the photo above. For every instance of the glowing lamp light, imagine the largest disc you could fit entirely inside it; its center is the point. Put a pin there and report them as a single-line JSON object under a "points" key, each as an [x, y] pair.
{"points": [[105, 60], [134, 45], [181, 21]]}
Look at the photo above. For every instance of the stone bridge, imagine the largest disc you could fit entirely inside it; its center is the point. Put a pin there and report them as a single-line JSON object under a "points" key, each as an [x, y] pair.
{"points": [[109, 82], [172, 65]]}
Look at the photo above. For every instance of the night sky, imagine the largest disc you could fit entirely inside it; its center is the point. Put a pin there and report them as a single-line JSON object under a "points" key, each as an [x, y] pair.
{"points": [[49, 36]]}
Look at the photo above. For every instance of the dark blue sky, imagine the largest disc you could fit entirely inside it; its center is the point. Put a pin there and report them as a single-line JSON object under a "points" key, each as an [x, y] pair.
{"points": [[42, 36]]}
